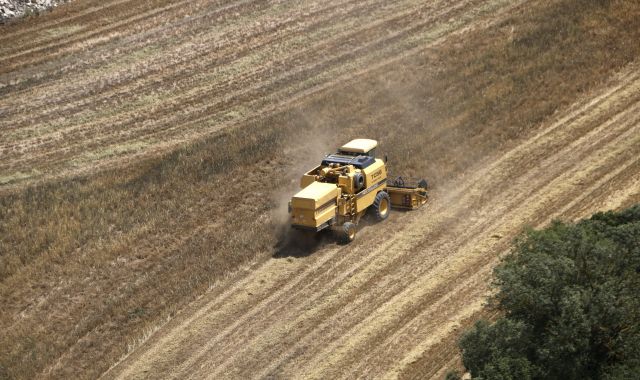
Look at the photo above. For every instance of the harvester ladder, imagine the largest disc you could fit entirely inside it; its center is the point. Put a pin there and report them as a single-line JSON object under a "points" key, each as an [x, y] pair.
{"points": [[351, 205]]}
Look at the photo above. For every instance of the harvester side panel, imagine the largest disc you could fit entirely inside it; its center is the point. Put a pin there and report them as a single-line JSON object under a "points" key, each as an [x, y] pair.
{"points": [[325, 213], [366, 199], [407, 198], [375, 173], [407, 193], [313, 206], [309, 177]]}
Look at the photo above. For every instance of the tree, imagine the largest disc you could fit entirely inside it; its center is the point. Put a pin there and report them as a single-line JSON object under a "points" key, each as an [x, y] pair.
{"points": [[569, 299]]}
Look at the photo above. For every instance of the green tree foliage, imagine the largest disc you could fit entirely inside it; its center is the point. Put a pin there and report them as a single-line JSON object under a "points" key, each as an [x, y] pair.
{"points": [[570, 298]]}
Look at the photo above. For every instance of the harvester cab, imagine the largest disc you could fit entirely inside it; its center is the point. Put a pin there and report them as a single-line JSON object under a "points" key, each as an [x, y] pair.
{"points": [[338, 192]]}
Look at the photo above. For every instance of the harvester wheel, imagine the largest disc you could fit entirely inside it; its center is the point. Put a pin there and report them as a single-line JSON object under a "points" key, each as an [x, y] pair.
{"points": [[381, 205], [347, 232]]}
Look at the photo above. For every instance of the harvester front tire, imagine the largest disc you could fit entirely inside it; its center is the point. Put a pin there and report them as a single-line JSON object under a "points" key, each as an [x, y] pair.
{"points": [[347, 232], [382, 205]]}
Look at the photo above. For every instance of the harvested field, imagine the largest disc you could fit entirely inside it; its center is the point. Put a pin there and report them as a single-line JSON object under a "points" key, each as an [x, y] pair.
{"points": [[375, 307], [148, 149]]}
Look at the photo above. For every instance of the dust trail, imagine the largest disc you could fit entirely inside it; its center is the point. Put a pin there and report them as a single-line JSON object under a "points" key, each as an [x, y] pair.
{"points": [[303, 152]]}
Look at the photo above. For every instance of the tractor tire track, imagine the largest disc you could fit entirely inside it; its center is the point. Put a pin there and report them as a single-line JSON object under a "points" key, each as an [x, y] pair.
{"points": [[180, 76]]}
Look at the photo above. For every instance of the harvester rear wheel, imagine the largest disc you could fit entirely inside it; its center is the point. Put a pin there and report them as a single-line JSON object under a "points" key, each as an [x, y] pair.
{"points": [[346, 233], [381, 205]]}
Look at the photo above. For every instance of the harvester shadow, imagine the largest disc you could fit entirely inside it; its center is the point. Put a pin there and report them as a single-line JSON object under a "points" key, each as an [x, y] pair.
{"points": [[295, 243]]}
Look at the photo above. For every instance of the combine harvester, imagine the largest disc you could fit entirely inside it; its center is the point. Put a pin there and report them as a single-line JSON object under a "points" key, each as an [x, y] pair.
{"points": [[338, 192]]}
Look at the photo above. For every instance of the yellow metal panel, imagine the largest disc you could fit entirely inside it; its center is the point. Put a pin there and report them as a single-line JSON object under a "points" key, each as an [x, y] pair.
{"points": [[375, 173], [313, 218], [302, 216], [346, 182], [309, 177], [342, 206], [399, 199], [324, 214], [315, 195], [407, 198], [303, 203], [307, 180], [363, 202], [359, 146]]}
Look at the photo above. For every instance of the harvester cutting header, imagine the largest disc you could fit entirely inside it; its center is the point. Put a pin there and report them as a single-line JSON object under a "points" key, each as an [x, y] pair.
{"points": [[338, 192]]}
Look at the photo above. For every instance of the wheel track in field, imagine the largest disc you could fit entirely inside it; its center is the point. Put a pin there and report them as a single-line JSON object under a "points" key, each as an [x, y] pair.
{"points": [[128, 41], [94, 64], [38, 50], [322, 44], [18, 31], [155, 34], [127, 18], [169, 122], [181, 71], [179, 36], [373, 308], [25, 32]]}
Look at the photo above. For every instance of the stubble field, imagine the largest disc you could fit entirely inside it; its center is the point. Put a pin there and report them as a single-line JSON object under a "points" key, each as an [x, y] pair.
{"points": [[148, 148]]}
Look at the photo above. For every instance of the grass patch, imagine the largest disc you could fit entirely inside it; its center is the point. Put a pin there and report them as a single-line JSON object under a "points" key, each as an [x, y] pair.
{"points": [[112, 151], [62, 30], [18, 176]]}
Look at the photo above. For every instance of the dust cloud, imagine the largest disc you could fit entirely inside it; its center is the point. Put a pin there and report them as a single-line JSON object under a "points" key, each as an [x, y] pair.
{"points": [[411, 120], [303, 151]]}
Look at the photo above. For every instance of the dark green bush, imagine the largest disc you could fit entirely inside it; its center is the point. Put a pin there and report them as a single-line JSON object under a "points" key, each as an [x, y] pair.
{"points": [[569, 297]]}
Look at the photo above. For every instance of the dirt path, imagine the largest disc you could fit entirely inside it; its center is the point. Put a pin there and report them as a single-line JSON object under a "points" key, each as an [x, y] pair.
{"points": [[378, 307]]}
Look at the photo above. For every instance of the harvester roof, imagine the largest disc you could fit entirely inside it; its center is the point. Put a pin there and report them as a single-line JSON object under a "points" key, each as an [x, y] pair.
{"points": [[360, 162], [359, 146]]}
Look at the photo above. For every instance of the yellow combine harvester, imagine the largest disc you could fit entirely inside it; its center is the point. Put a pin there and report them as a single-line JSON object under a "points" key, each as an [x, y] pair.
{"points": [[338, 192]]}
